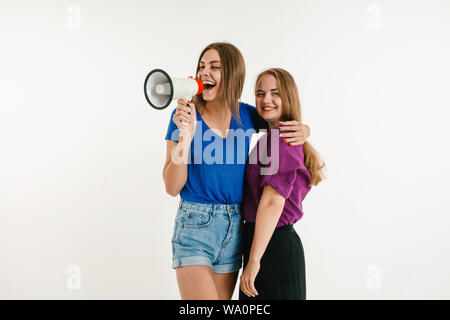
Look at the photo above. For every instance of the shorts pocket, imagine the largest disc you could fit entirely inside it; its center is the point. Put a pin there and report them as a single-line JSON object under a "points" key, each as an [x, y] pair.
{"points": [[196, 219]]}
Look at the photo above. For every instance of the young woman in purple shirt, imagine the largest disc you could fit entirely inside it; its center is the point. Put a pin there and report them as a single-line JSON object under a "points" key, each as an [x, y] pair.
{"points": [[275, 186]]}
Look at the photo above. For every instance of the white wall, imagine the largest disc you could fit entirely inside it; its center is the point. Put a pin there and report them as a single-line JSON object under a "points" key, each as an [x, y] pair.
{"points": [[81, 152]]}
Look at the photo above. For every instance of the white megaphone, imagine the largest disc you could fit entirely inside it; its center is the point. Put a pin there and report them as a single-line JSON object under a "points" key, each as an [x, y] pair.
{"points": [[160, 89]]}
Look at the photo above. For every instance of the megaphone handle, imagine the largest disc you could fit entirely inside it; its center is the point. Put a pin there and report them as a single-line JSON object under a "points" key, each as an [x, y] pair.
{"points": [[187, 99]]}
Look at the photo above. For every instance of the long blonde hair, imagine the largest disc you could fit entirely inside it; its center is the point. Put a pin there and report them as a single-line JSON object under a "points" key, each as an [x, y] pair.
{"points": [[292, 111], [232, 77]]}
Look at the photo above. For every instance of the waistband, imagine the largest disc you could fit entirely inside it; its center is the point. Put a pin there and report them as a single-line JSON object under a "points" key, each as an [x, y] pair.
{"points": [[207, 206], [289, 227]]}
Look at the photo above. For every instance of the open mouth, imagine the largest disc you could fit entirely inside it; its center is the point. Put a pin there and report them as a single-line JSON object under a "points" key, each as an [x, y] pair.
{"points": [[208, 85]]}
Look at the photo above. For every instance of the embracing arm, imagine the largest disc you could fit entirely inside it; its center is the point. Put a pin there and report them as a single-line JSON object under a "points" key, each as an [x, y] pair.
{"points": [[294, 132]]}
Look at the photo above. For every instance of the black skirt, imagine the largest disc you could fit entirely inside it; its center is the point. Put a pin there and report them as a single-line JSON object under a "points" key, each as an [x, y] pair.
{"points": [[282, 267]]}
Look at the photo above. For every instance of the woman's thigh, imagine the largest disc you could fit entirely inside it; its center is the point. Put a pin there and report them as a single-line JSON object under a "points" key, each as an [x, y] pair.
{"points": [[196, 283], [225, 284]]}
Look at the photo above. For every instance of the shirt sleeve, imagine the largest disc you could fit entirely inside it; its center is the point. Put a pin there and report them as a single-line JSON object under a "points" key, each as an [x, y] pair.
{"points": [[173, 133], [290, 159]]}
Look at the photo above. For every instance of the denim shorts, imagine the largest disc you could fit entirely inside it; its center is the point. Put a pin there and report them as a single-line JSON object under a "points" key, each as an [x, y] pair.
{"points": [[208, 234]]}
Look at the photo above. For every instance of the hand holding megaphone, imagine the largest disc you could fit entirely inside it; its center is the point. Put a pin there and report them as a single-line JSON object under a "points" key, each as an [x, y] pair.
{"points": [[160, 89], [185, 119]]}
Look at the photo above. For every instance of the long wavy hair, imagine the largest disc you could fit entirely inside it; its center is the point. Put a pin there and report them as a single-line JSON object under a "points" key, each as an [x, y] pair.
{"points": [[291, 110], [232, 77]]}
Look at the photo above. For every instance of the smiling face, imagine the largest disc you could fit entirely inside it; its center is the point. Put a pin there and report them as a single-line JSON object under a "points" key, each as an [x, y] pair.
{"points": [[268, 100], [209, 72]]}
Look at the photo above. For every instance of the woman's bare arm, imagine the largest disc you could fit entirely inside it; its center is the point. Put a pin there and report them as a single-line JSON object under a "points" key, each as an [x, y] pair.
{"points": [[294, 132], [175, 168], [269, 211], [177, 153]]}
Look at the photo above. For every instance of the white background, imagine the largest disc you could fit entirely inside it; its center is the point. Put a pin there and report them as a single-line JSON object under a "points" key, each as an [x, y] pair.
{"points": [[83, 211]]}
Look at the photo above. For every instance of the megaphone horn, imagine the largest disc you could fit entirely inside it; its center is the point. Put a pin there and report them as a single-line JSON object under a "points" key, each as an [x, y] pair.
{"points": [[160, 89]]}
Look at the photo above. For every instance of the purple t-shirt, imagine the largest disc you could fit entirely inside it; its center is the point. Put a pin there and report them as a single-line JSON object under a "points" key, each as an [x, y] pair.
{"points": [[282, 167]]}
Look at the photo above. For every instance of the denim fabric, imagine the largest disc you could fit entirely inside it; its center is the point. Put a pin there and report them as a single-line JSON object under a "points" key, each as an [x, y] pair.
{"points": [[208, 234]]}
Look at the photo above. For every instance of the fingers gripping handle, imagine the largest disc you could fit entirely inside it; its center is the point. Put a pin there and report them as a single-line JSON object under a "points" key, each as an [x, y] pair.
{"points": [[187, 99]]}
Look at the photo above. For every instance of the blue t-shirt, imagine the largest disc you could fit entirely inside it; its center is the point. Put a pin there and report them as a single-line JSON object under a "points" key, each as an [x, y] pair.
{"points": [[216, 165]]}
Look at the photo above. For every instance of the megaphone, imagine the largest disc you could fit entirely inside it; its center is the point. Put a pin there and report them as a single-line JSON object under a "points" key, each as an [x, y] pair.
{"points": [[160, 89]]}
